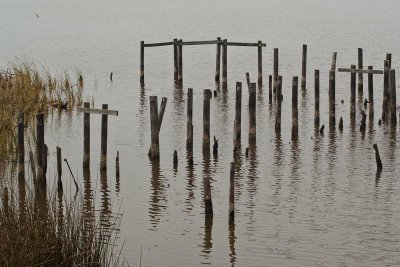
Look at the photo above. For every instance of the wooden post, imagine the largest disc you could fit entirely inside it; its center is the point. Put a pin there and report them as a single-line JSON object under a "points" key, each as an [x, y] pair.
{"points": [[21, 148], [295, 112], [316, 100], [276, 68], [59, 169], [189, 124], [180, 59], [160, 117], [175, 160], [304, 67], [104, 132], [224, 63], [353, 92], [341, 124], [117, 166], [155, 143], [393, 118], [142, 62], [332, 85], [389, 59], [232, 192], [278, 106], [252, 112], [385, 105], [176, 64], [218, 60], [237, 136], [333, 64], [270, 89], [360, 66], [370, 87], [259, 63], [86, 137], [248, 79], [207, 196], [32, 163], [206, 120], [377, 158], [45, 153], [40, 149]]}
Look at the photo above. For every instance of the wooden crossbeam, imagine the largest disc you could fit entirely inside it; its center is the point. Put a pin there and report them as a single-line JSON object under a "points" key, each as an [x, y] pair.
{"points": [[244, 44], [360, 71], [180, 42], [199, 42], [158, 44], [98, 111]]}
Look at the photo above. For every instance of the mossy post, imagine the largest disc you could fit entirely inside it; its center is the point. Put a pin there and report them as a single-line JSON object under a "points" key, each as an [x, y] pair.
{"points": [[237, 136], [142, 62], [155, 143], [218, 61], [21, 148], [206, 120], [176, 64], [252, 112], [40, 150], [332, 85], [232, 191], [295, 111], [360, 67], [316, 99], [259, 63], [304, 67], [393, 118], [224, 63], [104, 133], [86, 137], [189, 124], [353, 92]]}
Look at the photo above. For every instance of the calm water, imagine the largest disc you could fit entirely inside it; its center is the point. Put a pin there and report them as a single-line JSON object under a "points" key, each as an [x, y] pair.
{"points": [[317, 202]]}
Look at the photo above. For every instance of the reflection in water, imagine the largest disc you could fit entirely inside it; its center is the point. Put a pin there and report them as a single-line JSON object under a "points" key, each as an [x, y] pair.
{"points": [[105, 211], [232, 238], [238, 159], [178, 97], [207, 240], [190, 187], [207, 188], [22, 197], [278, 154], [157, 195], [294, 178], [252, 184], [88, 210]]}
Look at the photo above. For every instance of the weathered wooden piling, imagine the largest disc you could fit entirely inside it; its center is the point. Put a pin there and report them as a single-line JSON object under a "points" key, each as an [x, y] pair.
{"points": [[278, 105], [363, 124], [40, 149], [21, 148], [180, 60], [252, 112], [360, 67], [215, 146], [155, 142], [160, 117], [316, 99], [206, 120], [304, 67], [385, 104], [353, 92], [142, 62], [276, 69], [377, 158], [332, 85], [259, 62], [86, 137], [270, 89], [341, 124], [370, 86], [208, 206], [104, 133], [218, 60], [389, 59], [232, 192], [333, 64], [295, 112], [189, 124], [175, 161], [224, 63], [59, 169], [248, 79], [176, 64], [117, 166], [238, 116], [393, 118]]}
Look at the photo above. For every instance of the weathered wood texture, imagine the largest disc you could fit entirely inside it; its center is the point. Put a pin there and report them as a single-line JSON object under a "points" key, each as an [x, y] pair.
{"points": [[304, 67], [252, 112], [155, 142], [332, 85], [316, 99], [86, 136], [295, 112], [218, 60]]}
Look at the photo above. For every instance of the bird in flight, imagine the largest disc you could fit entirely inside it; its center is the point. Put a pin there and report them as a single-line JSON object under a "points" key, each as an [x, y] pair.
{"points": [[37, 15]]}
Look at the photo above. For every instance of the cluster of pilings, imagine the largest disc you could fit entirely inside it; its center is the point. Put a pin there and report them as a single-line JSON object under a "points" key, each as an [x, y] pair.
{"points": [[275, 95]]}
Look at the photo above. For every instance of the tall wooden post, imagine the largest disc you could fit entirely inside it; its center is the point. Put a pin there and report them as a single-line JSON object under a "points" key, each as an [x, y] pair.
{"points": [[232, 192], [278, 105], [360, 67], [176, 64], [206, 120], [86, 137], [295, 112], [276, 68], [237, 136], [333, 64], [353, 92], [248, 79], [252, 112], [218, 60], [155, 142], [189, 125], [389, 59], [40, 149], [385, 105], [370, 86], [259, 63], [59, 169], [332, 88], [393, 118], [180, 59], [316, 99], [142, 62], [224, 63], [304, 67], [270, 89], [160, 117], [104, 133], [21, 148]]}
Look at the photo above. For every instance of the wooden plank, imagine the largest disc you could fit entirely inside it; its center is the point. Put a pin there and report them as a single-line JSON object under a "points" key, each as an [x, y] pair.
{"points": [[158, 44], [98, 111], [200, 42], [360, 71], [245, 44]]}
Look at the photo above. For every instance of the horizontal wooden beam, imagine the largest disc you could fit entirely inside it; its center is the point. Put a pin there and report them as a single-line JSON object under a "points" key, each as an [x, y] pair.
{"points": [[244, 44], [360, 71], [210, 42], [98, 111], [158, 44], [200, 42]]}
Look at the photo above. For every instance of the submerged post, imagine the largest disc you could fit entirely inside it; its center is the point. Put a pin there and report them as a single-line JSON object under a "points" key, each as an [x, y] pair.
{"points": [[224, 63], [86, 136], [276, 65], [59, 169], [189, 124], [232, 192], [21, 148], [259, 63], [218, 60], [104, 132], [304, 67], [295, 112], [206, 120], [353, 92], [360, 67], [176, 64], [238, 115], [393, 118], [385, 105], [252, 112], [142, 62], [377, 158], [155, 142], [332, 120], [278, 105], [40, 149], [316, 99]]}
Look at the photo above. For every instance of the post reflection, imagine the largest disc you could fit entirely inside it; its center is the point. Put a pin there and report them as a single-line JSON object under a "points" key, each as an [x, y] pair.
{"points": [[207, 240], [105, 211], [278, 160], [88, 210], [190, 183], [252, 181], [294, 177], [157, 197], [238, 159], [232, 238]]}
